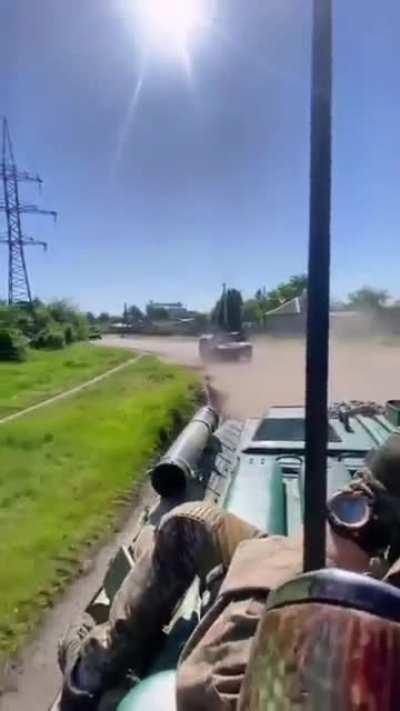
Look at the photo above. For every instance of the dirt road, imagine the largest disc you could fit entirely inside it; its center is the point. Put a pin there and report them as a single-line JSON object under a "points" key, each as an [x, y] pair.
{"points": [[358, 370]]}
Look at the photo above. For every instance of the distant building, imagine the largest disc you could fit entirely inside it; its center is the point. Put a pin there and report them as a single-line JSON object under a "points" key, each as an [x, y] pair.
{"points": [[175, 310], [298, 305], [289, 318]]}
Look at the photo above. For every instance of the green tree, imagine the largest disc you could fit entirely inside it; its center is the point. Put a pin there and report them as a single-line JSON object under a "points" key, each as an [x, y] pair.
{"points": [[134, 314], [261, 294], [90, 317], [252, 311], [66, 315], [42, 318], [62, 311], [368, 298], [285, 291], [156, 313], [227, 312]]}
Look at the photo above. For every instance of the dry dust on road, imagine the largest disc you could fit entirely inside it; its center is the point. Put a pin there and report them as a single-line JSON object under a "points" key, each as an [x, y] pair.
{"points": [[360, 370]]}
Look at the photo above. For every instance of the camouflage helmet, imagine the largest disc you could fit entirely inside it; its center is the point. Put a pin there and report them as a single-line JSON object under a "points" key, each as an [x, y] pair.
{"points": [[326, 640]]}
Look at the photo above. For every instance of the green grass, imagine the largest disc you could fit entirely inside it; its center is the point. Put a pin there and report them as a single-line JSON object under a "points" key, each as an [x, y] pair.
{"points": [[64, 472], [48, 373]]}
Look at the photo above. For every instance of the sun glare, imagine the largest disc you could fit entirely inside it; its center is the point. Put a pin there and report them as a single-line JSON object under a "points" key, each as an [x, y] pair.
{"points": [[165, 28], [169, 24]]}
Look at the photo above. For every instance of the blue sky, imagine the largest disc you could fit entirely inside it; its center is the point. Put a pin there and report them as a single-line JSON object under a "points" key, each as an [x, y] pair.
{"points": [[206, 179]]}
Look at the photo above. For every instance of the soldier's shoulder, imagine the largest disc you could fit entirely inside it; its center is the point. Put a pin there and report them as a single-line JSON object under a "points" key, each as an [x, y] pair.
{"points": [[263, 563]]}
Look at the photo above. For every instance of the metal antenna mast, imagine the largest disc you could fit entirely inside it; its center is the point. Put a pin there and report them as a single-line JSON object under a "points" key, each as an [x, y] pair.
{"points": [[318, 289], [19, 289]]}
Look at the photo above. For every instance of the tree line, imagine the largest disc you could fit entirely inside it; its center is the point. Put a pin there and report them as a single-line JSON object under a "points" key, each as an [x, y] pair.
{"points": [[39, 325], [231, 311], [131, 314], [59, 323]]}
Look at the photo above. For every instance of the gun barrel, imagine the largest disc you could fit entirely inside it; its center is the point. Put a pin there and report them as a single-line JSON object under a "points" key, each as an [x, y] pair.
{"points": [[170, 474]]}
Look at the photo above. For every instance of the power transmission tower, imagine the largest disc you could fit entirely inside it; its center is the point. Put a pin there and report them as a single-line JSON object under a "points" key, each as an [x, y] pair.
{"points": [[19, 289]]}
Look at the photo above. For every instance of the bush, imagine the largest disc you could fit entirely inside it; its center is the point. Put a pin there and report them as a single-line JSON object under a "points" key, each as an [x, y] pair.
{"points": [[25, 323], [94, 332], [70, 334], [42, 318], [13, 345], [65, 314], [81, 327], [51, 338], [46, 326]]}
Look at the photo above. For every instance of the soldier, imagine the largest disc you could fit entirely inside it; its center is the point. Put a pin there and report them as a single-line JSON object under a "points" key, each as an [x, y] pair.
{"points": [[239, 565]]}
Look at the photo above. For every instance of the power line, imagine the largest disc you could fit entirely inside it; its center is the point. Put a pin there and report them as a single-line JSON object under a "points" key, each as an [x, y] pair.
{"points": [[19, 289]]}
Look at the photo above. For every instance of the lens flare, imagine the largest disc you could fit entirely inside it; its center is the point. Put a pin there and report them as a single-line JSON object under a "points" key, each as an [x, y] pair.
{"points": [[168, 25]]}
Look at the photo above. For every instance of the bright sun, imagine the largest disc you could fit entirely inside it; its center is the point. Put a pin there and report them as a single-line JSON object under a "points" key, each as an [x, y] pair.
{"points": [[168, 24]]}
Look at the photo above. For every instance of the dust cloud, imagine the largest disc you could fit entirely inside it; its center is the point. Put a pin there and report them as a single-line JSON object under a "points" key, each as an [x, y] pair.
{"points": [[274, 376], [365, 367], [360, 369]]}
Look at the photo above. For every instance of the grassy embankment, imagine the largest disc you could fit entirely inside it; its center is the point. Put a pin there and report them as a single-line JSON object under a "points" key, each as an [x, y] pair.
{"points": [[47, 373], [64, 471]]}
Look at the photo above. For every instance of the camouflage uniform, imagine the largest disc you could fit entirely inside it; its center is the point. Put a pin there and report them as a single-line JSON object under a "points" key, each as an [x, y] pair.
{"points": [[195, 539], [213, 663]]}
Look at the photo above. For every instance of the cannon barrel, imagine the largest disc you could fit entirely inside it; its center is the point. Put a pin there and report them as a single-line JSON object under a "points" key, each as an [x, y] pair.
{"points": [[170, 474]]}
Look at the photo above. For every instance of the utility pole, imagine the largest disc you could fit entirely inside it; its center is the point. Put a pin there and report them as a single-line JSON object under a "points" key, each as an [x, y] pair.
{"points": [[19, 289]]}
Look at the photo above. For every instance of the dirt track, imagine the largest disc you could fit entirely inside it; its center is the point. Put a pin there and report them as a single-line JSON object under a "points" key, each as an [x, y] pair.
{"points": [[365, 370], [34, 682], [276, 375]]}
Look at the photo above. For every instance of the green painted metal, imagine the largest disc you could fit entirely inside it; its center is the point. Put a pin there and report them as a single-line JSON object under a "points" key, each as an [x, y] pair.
{"points": [[386, 424], [374, 428], [257, 494], [294, 507], [393, 412]]}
